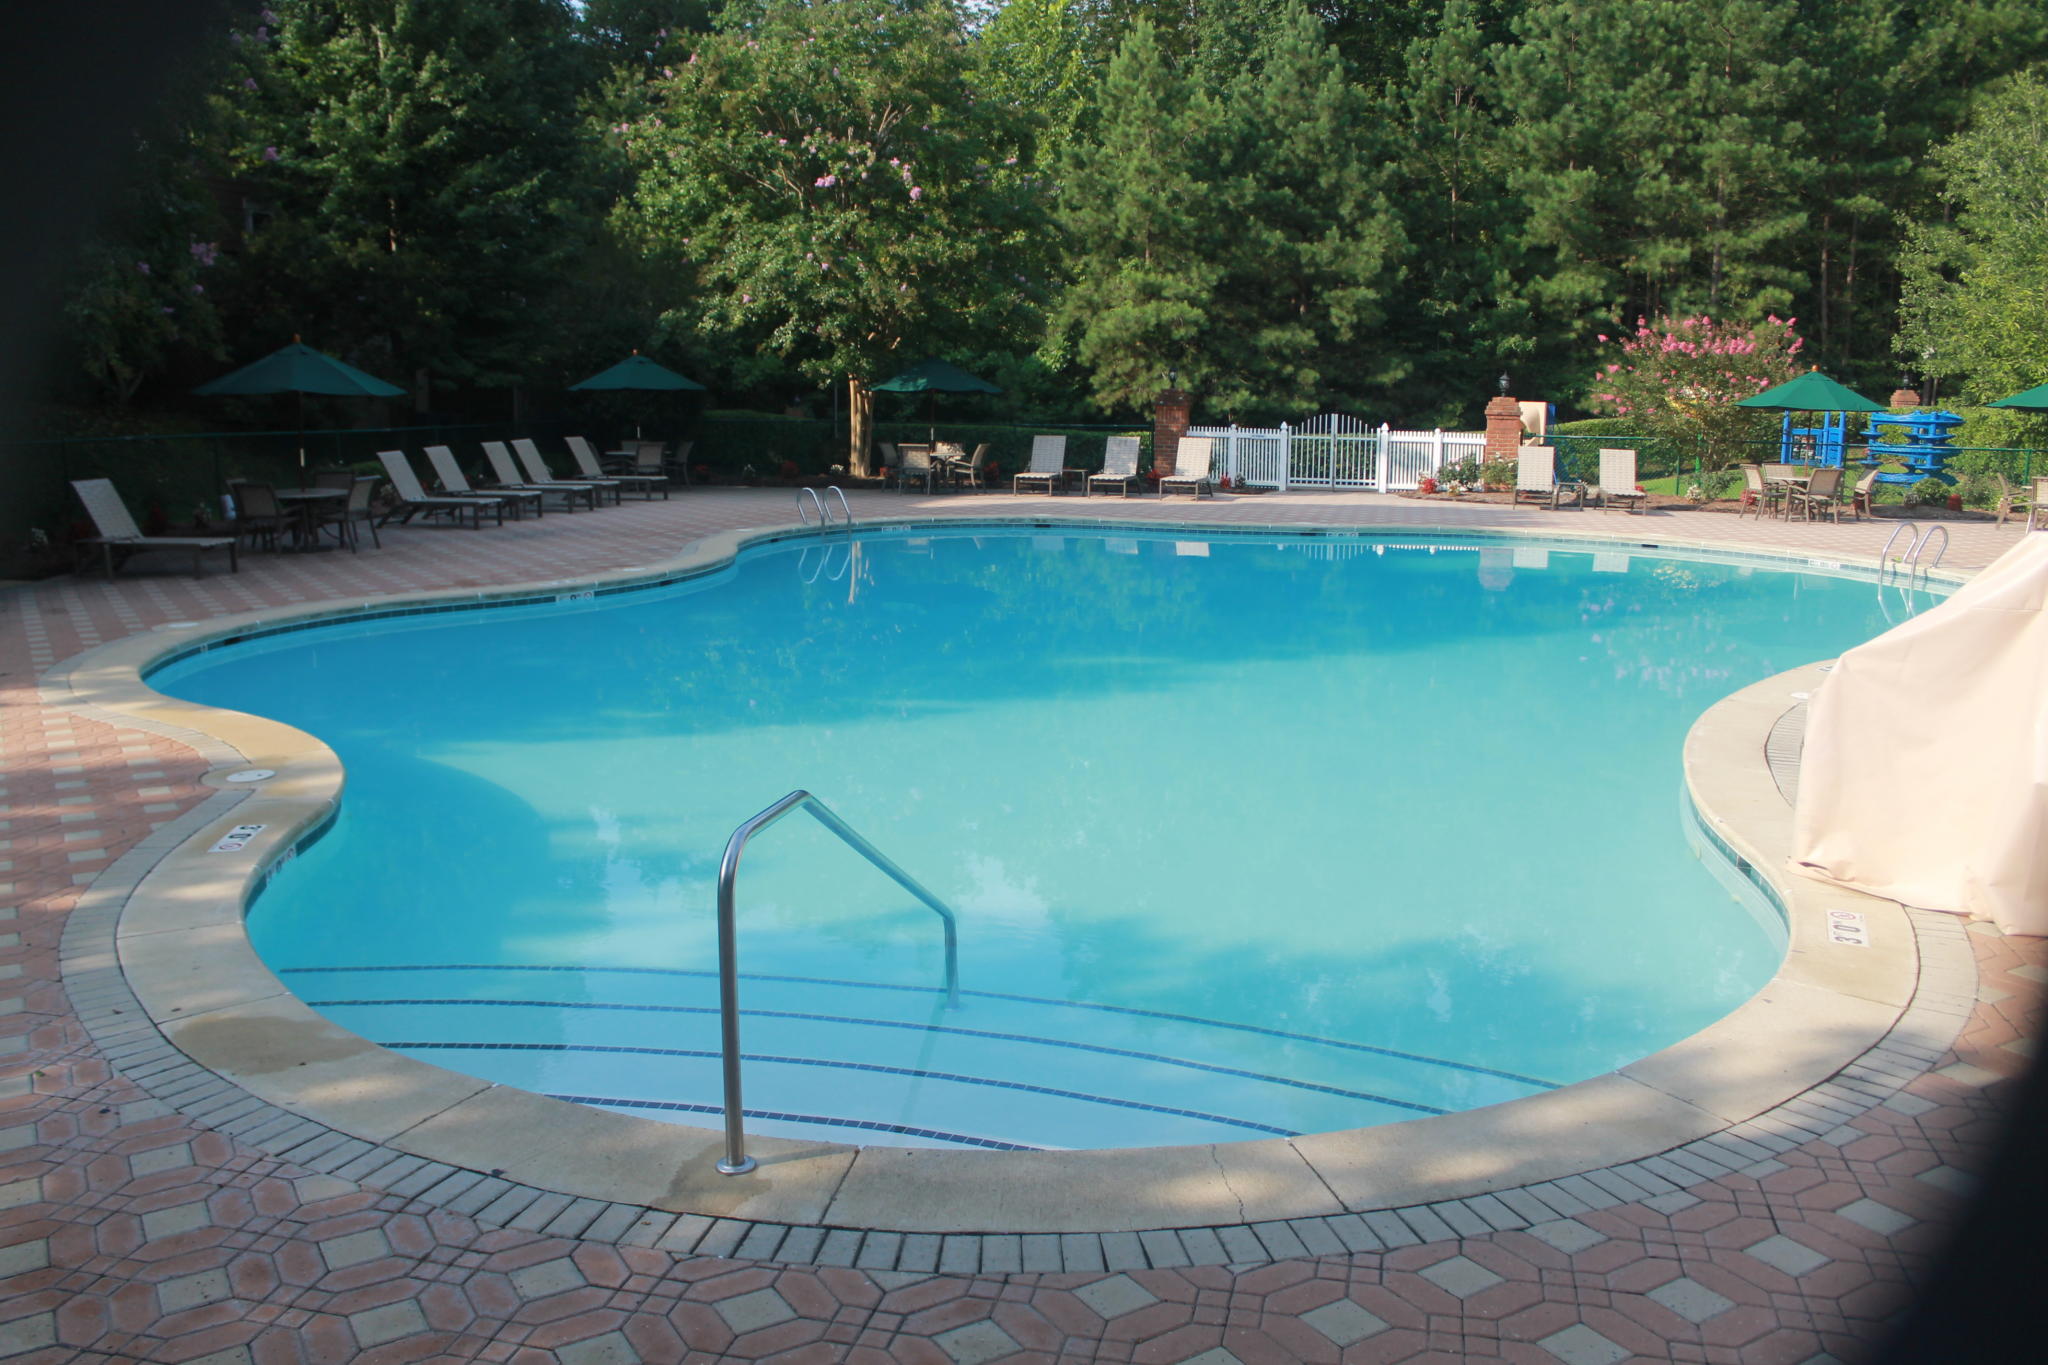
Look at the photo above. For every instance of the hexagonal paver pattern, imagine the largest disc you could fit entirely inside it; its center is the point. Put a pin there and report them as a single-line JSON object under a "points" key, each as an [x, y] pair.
{"points": [[1782, 1253], [1881, 1219], [751, 1312], [1116, 1296], [1568, 1235], [977, 1343], [1691, 1300], [1461, 1276], [1344, 1322], [1579, 1344]]}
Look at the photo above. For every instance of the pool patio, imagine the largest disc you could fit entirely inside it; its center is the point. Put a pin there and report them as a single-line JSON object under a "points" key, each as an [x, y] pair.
{"points": [[131, 1230]]}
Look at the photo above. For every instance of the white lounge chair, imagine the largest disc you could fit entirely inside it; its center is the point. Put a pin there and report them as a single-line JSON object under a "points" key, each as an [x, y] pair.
{"points": [[456, 484], [1536, 476], [639, 481], [1190, 468], [118, 531], [538, 473], [1618, 482], [413, 499], [1119, 465], [505, 476], [1048, 465]]}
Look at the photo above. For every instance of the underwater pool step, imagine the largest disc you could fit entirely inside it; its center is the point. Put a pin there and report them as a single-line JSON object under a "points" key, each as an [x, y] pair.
{"points": [[999, 1071]]}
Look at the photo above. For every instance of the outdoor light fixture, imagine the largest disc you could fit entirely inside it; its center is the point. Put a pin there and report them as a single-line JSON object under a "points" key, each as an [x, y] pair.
{"points": [[1172, 378], [1503, 382]]}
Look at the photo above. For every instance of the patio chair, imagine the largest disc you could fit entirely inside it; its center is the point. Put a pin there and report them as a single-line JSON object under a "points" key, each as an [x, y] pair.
{"points": [[1860, 495], [916, 464], [355, 508], [2039, 510], [118, 531], [961, 469], [1119, 466], [676, 466], [1758, 494], [448, 473], [505, 478], [1048, 465], [1822, 495], [1191, 468], [538, 473], [1536, 476], [414, 500], [2011, 500], [587, 466], [1618, 482], [259, 516]]}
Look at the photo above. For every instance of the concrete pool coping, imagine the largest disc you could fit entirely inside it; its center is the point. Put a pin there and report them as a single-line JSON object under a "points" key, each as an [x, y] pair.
{"points": [[218, 1035]]}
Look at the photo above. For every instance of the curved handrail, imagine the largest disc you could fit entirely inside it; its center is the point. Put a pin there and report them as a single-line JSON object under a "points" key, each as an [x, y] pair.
{"points": [[803, 509], [736, 1160], [845, 507], [1920, 546], [1884, 555]]}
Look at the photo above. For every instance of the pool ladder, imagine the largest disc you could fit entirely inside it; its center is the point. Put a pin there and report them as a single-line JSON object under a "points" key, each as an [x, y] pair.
{"points": [[736, 1161], [809, 499], [1909, 562]]}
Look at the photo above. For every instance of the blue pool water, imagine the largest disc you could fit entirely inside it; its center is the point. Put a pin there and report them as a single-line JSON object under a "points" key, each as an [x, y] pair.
{"points": [[1246, 836]]}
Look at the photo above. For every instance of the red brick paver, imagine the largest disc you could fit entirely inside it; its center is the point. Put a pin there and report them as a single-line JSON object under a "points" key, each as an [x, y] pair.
{"points": [[128, 1232]]}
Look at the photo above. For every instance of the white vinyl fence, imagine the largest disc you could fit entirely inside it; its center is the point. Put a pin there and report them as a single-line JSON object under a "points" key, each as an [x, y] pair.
{"points": [[1334, 451]]}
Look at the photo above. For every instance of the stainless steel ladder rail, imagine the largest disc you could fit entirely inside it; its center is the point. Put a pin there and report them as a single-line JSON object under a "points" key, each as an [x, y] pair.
{"points": [[1916, 545], [808, 498], [1909, 529], [736, 1161], [1920, 547]]}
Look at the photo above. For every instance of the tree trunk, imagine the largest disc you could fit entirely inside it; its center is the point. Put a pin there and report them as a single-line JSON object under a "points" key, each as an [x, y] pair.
{"points": [[860, 409]]}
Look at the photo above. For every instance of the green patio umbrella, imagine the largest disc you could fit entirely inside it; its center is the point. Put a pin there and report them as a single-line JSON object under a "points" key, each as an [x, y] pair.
{"points": [[931, 378], [637, 372], [298, 369], [2033, 400], [1812, 392]]}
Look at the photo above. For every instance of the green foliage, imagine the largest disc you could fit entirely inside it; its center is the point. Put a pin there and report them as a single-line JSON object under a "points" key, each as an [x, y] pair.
{"points": [[1236, 236], [1976, 300], [827, 179], [414, 189], [1927, 493]]}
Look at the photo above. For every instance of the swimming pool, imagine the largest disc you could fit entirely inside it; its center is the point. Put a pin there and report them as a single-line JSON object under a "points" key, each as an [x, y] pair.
{"points": [[1248, 835]]}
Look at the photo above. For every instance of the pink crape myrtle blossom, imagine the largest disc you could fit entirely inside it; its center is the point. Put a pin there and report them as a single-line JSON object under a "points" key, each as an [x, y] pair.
{"points": [[1678, 378]]}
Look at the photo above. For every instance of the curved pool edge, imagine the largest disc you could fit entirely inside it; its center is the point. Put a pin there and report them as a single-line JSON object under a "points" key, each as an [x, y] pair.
{"points": [[230, 1045]]}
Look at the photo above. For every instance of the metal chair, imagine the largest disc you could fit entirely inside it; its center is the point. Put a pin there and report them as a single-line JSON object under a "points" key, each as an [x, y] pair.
{"points": [[259, 516]]}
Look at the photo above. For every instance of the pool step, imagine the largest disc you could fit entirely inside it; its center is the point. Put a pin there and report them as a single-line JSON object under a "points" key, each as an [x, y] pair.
{"points": [[864, 1062]]}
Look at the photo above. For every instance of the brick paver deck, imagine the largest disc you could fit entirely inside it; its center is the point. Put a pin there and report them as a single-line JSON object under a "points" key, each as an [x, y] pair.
{"points": [[129, 1232]]}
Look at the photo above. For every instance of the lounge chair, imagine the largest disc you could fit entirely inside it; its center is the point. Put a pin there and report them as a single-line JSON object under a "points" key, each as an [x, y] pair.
{"points": [[1618, 482], [1822, 494], [1119, 466], [118, 531], [1048, 465], [538, 473], [342, 517], [1536, 477], [2038, 512], [1190, 467], [448, 473], [917, 464], [413, 499], [505, 477], [587, 466]]}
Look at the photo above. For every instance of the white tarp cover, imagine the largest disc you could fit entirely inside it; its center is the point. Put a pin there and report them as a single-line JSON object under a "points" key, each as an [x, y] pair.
{"points": [[1925, 773]]}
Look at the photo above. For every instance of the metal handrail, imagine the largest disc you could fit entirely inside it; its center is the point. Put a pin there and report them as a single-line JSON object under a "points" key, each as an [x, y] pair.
{"points": [[1920, 546], [736, 1161], [803, 508], [1884, 555], [845, 507]]}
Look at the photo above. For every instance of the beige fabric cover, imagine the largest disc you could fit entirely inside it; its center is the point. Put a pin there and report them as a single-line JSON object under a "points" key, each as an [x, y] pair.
{"points": [[1925, 775]]}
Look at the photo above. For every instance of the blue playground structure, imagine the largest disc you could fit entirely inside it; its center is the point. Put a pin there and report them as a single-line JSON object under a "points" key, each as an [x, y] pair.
{"points": [[1923, 444], [1924, 450]]}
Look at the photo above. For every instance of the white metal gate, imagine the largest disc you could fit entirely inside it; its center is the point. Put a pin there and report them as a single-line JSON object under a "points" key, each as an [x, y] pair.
{"points": [[1337, 451]]}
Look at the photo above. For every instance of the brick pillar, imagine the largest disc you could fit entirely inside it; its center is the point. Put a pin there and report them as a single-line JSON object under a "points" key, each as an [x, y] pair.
{"points": [[1503, 428], [1169, 423], [1905, 399]]}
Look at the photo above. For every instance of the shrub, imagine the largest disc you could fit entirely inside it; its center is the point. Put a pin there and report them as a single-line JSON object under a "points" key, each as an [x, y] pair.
{"points": [[1465, 471], [1496, 475], [1927, 493]]}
